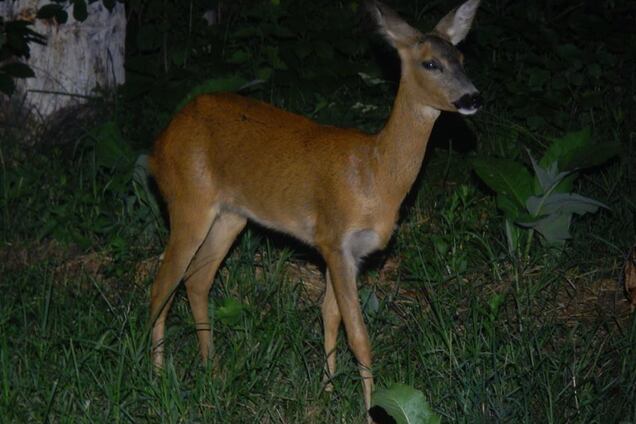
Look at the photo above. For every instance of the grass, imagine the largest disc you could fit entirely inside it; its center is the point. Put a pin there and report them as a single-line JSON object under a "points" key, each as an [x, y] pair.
{"points": [[486, 338]]}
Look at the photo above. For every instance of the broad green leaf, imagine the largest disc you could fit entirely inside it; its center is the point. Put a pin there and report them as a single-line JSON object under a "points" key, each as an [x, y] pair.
{"points": [[53, 11], [18, 70], [569, 51], [555, 228], [264, 73], [7, 86], [562, 203], [526, 219], [230, 311], [562, 147], [238, 57], [18, 37], [109, 4], [79, 10], [178, 57], [141, 173], [494, 304], [273, 58], [506, 177], [111, 150], [213, 85], [546, 177], [48, 11], [537, 77], [566, 185], [542, 176], [369, 301], [589, 156], [513, 235], [247, 32], [405, 404], [510, 208], [440, 244]]}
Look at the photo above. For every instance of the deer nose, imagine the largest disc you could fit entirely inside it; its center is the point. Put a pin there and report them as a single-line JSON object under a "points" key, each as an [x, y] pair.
{"points": [[469, 103]]}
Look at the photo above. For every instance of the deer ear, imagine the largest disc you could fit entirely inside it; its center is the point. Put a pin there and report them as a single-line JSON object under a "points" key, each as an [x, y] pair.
{"points": [[393, 28], [456, 24]]}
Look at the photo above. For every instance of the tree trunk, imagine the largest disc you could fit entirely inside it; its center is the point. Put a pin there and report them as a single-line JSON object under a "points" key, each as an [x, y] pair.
{"points": [[78, 58]]}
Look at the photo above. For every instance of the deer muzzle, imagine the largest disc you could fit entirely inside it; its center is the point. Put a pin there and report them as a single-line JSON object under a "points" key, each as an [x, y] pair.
{"points": [[469, 103]]}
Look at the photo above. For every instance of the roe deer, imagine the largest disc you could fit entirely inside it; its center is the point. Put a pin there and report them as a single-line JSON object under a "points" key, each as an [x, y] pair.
{"points": [[225, 159]]}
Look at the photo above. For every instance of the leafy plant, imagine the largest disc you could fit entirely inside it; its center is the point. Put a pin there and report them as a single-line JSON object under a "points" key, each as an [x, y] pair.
{"points": [[230, 312], [57, 9], [490, 312], [570, 67], [544, 202], [403, 404], [144, 196], [283, 47], [450, 243], [213, 85], [15, 37]]}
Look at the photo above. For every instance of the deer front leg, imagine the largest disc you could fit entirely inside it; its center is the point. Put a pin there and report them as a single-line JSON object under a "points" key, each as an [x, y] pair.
{"points": [[331, 319], [343, 270]]}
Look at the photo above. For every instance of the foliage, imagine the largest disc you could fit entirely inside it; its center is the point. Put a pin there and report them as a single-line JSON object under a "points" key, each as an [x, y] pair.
{"points": [[543, 202], [15, 37], [274, 44], [452, 245], [554, 63], [143, 193], [57, 9], [404, 404], [487, 340], [214, 85], [85, 193], [230, 312]]}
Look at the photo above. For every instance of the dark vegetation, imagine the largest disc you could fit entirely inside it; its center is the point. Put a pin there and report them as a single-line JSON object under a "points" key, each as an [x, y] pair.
{"points": [[487, 331]]}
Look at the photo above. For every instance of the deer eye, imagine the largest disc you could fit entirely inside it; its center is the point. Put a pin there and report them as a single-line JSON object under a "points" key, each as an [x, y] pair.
{"points": [[431, 65]]}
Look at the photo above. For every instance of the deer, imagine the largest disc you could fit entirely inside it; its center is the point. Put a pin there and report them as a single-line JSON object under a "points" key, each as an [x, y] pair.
{"points": [[225, 159]]}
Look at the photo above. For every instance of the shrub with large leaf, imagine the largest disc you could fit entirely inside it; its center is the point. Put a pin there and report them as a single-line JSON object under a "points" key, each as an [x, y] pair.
{"points": [[401, 404], [15, 37], [544, 202]]}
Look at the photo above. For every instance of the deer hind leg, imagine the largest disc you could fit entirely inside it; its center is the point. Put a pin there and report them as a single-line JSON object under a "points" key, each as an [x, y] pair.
{"points": [[331, 320], [343, 270], [200, 273], [189, 225]]}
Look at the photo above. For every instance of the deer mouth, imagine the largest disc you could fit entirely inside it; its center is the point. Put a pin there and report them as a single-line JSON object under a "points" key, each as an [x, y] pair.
{"points": [[469, 104]]}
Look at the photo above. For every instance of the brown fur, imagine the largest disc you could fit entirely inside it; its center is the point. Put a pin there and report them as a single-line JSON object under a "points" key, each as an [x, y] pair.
{"points": [[225, 159]]}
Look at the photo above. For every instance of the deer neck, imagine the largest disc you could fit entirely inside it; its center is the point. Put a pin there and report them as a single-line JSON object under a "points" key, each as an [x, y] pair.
{"points": [[401, 144]]}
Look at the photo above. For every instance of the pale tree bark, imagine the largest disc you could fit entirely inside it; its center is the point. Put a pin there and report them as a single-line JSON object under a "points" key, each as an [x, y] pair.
{"points": [[78, 58]]}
